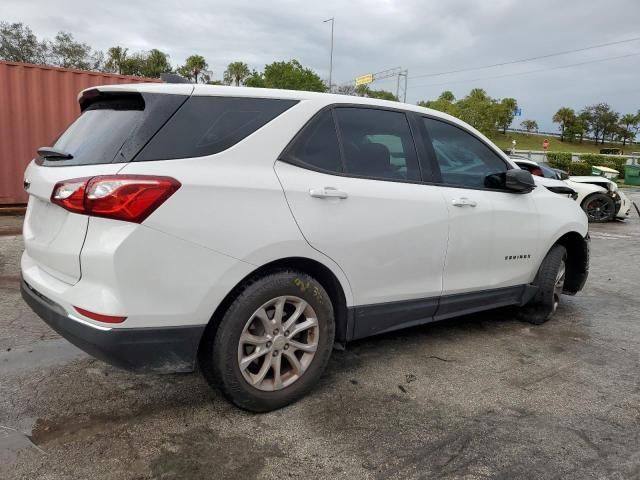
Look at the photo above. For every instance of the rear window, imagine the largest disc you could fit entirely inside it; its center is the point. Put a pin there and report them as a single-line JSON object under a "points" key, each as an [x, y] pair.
{"points": [[208, 125], [113, 127]]}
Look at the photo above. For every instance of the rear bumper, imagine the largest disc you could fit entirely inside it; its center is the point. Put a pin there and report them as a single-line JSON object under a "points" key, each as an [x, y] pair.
{"points": [[163, 350]]}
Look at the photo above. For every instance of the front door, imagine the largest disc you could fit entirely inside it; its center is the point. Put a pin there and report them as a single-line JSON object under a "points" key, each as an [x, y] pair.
{"points": [[493, 233]]}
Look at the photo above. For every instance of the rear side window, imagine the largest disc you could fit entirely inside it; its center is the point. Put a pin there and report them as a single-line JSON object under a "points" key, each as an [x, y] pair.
{"points": [[317, 145], [208, 125], [464, 160], [113, 127], [377, 144]]}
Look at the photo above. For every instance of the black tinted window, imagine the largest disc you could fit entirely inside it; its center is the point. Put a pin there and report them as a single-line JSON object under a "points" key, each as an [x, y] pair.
{"points": [[208, 125], [113, 127], [97, 135], [463, 159], [377, 143], [317, 145]]}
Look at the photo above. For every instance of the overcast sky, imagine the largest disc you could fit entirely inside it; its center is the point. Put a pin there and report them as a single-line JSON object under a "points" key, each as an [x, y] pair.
{"points": [[425, 37]]}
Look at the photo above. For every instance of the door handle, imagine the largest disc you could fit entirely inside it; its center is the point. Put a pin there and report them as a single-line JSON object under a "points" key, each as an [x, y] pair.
{"points": [[327, 192], [463, 202]]}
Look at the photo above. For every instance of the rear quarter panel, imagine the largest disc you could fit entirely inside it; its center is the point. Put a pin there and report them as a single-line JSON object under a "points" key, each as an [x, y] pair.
{"points": [[232, 202]]}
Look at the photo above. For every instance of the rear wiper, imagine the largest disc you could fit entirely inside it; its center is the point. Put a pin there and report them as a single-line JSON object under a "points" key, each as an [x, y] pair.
{"points": [[51, 153]]}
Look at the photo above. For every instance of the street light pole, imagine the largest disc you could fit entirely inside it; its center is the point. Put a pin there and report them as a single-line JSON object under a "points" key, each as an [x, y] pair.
{"points": [[331, 52]]}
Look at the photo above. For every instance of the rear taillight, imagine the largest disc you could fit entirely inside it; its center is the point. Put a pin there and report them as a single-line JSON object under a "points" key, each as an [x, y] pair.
{"points": [[130, 198]]}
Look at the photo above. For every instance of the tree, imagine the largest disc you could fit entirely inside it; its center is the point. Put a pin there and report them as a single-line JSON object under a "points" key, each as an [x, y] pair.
{"points": [[346, 89], [286, 75], [628, 122], [155, 63], [116, 59], [192, 67], [602, 120], [529, 125], [479, 110], [445, 103], [365, 91], [255, 79], [145, 64], [19, 44], [565, 117], [65, 52], [609, 124], [236, 73], [447, 96], [579, 127], [506, 110]]}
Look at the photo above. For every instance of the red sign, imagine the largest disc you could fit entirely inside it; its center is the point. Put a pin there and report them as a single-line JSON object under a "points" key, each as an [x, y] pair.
{"points": [[545, 144]]}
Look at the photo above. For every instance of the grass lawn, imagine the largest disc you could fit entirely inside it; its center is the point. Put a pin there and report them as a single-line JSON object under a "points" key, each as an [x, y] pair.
{"points": [[534, 142]]}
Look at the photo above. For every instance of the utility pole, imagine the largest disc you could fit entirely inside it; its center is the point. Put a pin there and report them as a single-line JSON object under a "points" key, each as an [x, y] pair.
{"points": [[332, 20]]}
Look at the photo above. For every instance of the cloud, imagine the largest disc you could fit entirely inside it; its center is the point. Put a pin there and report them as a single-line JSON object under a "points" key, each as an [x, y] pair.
{"points": [[374, 35]]}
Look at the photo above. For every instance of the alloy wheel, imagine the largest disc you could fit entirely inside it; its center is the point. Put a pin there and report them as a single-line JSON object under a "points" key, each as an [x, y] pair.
{"points": [[278, 343], [559, 285], [599, 209]]}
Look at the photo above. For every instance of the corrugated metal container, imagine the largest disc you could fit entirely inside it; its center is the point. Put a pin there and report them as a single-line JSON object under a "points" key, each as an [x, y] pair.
{"points": [[37, 103]]}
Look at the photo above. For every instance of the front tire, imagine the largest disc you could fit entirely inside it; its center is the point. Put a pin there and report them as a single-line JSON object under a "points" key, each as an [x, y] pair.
{"points": [[273, 342], [599, 207], [550, 282]]}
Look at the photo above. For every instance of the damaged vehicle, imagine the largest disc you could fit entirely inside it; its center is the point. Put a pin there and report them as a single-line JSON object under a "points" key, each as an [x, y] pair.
{"points": [[252, 231], [599, 197]]}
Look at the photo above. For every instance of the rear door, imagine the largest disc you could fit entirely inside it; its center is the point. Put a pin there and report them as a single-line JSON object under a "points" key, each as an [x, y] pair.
{"points": [[111, 130], [353, 182]]}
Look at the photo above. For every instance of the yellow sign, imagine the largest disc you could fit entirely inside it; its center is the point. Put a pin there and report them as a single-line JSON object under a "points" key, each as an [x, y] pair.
{"points": [[364, 79]]}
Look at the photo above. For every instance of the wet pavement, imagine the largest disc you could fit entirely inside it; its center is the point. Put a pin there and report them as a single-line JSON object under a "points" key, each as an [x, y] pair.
{"points": [[485, 396]]}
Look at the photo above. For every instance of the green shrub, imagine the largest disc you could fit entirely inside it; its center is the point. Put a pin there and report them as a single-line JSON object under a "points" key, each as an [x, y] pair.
{"points": [[617, 162], [579, 168], [593, 158], [620, 163], [560, 160]]}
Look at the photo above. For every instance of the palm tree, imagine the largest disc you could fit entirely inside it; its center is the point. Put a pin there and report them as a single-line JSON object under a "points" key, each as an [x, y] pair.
{"points": [[116, 58], [192, 67], [236, 73], [565, 116]]}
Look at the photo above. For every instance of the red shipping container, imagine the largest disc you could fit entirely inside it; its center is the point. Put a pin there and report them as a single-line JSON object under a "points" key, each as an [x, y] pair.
{"points": [[37, 102]]}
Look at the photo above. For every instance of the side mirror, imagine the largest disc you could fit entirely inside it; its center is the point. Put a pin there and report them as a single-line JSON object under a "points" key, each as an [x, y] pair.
{"points": [[519, 181]]}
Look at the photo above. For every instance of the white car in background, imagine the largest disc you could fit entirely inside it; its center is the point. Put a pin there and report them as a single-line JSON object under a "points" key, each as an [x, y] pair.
{"points": [[599, 197]]}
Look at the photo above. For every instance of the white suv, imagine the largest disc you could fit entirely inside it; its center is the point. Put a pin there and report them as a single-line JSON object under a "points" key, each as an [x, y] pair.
{"points": [[253, 230]]}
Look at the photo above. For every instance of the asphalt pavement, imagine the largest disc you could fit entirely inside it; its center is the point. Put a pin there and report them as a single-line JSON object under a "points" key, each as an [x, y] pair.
{"points": [[485, 396]]}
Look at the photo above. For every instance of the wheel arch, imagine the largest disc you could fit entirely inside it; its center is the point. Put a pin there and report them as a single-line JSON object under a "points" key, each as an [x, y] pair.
{"points": [[327, 278], [577, 247]]}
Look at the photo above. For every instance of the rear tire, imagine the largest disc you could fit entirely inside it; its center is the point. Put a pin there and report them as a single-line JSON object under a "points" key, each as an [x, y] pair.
{"points": [[599, 207], [273, 342], [550, 282]]}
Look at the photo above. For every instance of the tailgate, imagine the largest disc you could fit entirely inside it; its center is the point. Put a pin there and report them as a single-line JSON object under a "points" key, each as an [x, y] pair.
{"points": [[53, 237]]}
